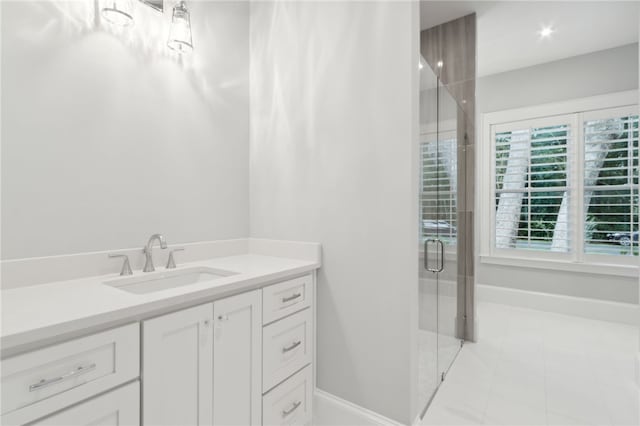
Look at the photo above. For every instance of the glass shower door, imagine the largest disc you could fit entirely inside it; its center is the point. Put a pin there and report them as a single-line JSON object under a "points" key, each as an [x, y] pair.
{"points": [[439, 342], [428, 377], [447, 214]]}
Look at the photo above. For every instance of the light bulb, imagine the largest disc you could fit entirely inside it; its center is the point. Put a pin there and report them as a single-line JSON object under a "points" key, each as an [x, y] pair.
{"points": [[546, 32]]}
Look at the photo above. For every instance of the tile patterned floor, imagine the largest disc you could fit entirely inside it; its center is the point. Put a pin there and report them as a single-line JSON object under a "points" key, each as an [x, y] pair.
{"points": [[539, 368], [428, 369]]}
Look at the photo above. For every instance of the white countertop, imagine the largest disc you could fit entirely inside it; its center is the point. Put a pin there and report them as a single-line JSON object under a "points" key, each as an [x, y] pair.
{"points": [[43, 314]]}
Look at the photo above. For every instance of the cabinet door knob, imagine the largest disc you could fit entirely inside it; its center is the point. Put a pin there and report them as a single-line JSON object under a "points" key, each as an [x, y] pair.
{"points": [[223, 317]]}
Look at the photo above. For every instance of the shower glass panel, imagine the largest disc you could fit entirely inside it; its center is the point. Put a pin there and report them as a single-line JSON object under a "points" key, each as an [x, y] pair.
{"points": [[428, 379], [439, 340], [447, 201]]}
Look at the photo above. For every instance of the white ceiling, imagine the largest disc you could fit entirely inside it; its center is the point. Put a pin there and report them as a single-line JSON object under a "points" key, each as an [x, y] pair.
{"points": [[508, 30]]}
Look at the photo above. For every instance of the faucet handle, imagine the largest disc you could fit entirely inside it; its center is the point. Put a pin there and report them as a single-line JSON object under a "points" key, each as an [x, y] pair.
{"points": [[171, 263], [126, 266]]}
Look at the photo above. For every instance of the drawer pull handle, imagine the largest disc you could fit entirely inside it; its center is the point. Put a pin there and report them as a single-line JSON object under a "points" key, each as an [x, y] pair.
{"points": [[293, 408], [292, 347], [290, 298], [73, 373]]}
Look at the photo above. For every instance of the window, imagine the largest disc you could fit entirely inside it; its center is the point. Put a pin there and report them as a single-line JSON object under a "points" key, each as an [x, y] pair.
{"points": [[532, 193], [611, 184], [439, 174], [564, 186]]}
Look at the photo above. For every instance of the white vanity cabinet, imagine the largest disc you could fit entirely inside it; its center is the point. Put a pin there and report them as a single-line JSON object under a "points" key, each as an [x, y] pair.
{"points": [[237, 363], [177, 368], [203, 366], [240, 360]]}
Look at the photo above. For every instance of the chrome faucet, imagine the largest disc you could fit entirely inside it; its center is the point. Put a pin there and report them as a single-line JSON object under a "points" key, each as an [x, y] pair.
{"points": [[148, 251]]}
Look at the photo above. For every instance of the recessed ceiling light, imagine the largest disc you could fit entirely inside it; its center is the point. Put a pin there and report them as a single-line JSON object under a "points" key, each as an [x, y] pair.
{"points": [[420, 66], [440, 64], [546, 32]]}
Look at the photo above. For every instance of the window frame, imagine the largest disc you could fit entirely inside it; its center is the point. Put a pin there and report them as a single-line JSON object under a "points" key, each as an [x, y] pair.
{"points": [[574, 110]]}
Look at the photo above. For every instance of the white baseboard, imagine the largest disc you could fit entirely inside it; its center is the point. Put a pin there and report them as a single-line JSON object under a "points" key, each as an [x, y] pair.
{"points": [[330, 410], [625, 313]]}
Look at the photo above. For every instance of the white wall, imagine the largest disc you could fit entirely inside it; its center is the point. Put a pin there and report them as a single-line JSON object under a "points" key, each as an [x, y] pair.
{"points": [[107, 138], [599, 73], [607, 71], [334, 97]]}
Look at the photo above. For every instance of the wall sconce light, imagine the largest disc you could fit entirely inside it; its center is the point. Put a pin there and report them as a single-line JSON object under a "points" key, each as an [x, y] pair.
{"points": [[180, 31], [120, 13]]}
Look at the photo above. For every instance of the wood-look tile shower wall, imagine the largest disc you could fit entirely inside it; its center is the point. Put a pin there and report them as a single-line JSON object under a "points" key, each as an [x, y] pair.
{"points": [[453, 46]]}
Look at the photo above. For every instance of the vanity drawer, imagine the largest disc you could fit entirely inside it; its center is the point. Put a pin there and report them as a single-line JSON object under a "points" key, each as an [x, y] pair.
{"points": [[40, 382], [285, 298], [289, 403], [286, 348], [120, 407]]}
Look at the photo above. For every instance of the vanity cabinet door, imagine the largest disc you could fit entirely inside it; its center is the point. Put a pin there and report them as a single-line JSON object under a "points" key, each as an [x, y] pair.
{"points": [[177, 368], [237, 364], [120, 407]]}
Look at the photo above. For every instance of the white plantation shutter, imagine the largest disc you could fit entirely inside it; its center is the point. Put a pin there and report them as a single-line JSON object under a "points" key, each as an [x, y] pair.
{"points": [[532, 190], [438, 202], [611, 182]]}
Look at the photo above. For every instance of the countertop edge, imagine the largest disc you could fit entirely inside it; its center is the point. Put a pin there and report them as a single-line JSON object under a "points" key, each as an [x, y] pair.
{"points": [[15, 344]]}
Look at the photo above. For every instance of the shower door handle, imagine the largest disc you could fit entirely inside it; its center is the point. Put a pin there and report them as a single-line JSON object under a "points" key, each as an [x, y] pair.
{"points": [[440, 267], [426, 254], [441, 244]]}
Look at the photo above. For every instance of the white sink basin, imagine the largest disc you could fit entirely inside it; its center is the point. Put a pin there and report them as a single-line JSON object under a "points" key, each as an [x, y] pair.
{"points": [[163, 280]]}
